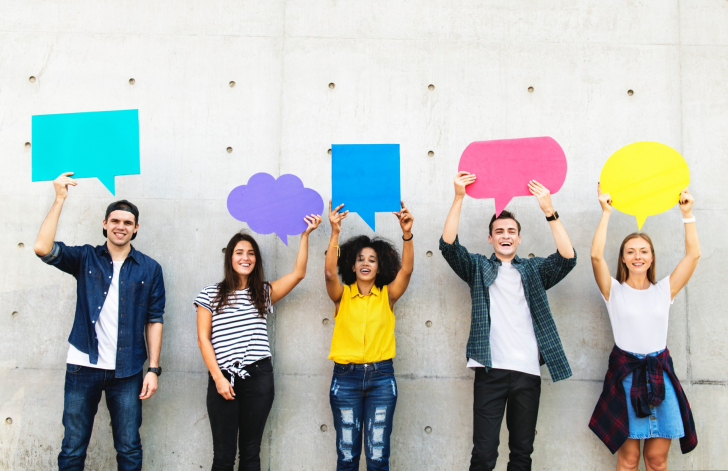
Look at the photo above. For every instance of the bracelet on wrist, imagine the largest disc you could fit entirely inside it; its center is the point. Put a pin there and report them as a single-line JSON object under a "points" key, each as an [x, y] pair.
{"points": [[688, 220], [407, 240], [338, 249]]}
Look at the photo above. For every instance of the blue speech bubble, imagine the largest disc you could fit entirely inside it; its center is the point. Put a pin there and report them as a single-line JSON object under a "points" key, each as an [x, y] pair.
{"points": [[99, 144], [365, 178]]}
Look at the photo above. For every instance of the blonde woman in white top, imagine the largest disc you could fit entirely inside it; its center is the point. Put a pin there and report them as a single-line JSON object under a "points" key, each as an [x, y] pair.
{"points": [[638, 308]]}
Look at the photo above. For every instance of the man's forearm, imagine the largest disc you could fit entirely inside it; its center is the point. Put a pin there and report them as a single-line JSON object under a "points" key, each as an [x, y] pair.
{"points": [[154, 342], [453, 221], [563, 243], [47, 232]]}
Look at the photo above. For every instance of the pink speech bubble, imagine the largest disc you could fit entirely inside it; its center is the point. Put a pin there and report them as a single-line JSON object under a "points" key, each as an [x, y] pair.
{"points": [[504, 167]]}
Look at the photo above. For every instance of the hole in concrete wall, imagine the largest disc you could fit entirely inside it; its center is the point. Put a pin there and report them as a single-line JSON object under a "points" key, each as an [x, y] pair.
{"points": [[229, 150], [27, 145], [232, 84], [21, 245], [630, 92], [324, 428], [132, 81], [329, 151], [428, 323], [428, 429], [31, 79], [223, 250], [530, 89], [531, 255], [429, 253], [430, 87], [332, 85], [9, 421], [15, 314], [325, 321], [430, 154]]}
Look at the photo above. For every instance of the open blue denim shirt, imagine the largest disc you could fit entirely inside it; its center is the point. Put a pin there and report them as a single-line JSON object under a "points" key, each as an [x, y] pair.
{"points": [[538, 275], [141, 300]]}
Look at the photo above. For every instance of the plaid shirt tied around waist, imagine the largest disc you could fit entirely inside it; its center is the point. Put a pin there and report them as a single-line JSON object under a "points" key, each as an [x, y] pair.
{"points": [[538, 274], [610, 421]]}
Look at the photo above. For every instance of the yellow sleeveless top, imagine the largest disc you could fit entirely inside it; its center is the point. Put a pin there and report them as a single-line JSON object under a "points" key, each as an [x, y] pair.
{"points": [[364, 327]]}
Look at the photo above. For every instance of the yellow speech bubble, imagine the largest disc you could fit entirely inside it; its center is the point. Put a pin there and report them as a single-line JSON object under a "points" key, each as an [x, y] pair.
{"points": [[644, 179]]}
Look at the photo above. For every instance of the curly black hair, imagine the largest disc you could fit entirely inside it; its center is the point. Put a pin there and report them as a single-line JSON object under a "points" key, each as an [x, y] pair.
{"points": [[387, 256]]}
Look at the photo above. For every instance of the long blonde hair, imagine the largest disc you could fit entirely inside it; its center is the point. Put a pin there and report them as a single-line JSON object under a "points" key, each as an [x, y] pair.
{"points": [[622, 271]]}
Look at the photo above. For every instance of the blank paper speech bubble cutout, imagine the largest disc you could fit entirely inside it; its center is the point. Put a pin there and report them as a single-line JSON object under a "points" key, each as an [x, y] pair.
{"points": [[365, 178], [274, 206], [504, 167], [99, 144], [644, 179]]}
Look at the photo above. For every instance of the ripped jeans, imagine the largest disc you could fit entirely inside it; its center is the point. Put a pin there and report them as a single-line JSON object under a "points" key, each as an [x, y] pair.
{"points": [[363, 395]]}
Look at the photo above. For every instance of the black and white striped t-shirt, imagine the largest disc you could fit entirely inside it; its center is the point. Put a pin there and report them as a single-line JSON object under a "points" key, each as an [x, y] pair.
{"points": [[239, 335]]}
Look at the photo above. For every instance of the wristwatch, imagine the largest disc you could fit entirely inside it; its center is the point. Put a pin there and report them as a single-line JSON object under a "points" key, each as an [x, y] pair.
{"points": [[157, 371], [553, 217]]}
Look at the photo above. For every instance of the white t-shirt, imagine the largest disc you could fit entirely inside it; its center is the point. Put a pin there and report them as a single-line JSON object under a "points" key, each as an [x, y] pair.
{"points": [[639, 316], [107, 330], [513, 343]]}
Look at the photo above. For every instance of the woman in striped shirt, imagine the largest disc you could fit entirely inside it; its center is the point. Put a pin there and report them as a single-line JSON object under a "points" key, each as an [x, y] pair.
{"points": [[233, 336]]}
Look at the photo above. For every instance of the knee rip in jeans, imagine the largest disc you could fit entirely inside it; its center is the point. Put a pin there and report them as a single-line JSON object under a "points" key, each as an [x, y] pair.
{"points": [[347, 416], [347, 436], [377, 453]]}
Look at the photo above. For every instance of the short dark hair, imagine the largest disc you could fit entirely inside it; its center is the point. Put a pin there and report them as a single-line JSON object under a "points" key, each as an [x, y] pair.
{"points": [[387, 257], [503, 215]]}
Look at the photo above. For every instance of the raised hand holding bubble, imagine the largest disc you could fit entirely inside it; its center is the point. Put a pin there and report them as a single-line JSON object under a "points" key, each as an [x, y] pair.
{"points": [[61, 183], [335, 217], [461, 180], [405, 218], [604, 199], [313, 222]]}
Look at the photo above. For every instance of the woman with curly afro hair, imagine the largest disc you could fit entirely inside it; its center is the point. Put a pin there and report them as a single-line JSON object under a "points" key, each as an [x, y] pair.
{"points": [[363, 389]]}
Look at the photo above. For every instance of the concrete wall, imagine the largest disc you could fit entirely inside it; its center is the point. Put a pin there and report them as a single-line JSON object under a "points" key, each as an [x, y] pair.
{"points": [[580, 57]]}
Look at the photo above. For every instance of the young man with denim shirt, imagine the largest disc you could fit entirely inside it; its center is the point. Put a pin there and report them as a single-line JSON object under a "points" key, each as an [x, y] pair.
{"points": [[120, 295], [512, 331]]}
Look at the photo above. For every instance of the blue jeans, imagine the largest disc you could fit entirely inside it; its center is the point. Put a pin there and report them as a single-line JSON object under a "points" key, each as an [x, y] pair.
{"points": [[363, 395], [80, 403]]}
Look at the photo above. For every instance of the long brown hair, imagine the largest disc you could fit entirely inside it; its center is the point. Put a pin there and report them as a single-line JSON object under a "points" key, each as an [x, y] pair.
{"points": [[622, 271], [226, 289]]}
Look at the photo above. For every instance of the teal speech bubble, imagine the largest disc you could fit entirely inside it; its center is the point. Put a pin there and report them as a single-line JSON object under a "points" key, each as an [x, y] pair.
{"points": [[99, 144]]}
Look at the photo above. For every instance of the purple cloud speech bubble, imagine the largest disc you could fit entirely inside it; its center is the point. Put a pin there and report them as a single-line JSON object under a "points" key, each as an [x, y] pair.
{"points": [[271, 205]]}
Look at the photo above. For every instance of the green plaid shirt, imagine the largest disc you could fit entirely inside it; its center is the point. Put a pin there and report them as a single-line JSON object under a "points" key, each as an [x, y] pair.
{"points": [[538, 275]]}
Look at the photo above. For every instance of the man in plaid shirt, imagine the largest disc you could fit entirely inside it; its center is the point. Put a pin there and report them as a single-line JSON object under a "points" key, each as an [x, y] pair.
{"points": [[512, 331]]}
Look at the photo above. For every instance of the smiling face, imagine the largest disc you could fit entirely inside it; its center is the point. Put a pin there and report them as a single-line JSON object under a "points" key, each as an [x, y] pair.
{"points": [[243, 258], [366, 265], [637, 256], [505, 238], [120, 226]]}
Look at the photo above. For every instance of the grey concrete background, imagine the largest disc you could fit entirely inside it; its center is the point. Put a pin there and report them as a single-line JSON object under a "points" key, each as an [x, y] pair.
{"points": [[580, 56]]}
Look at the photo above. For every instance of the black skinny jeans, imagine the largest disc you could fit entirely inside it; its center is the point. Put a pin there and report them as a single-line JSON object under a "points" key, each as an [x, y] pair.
{"points": [[240, 422], [492, 390]]}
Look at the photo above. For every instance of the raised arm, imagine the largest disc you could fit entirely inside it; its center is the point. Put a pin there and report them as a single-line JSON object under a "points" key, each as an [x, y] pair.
{"points": [[397, 287], [599, 265], [47, 232], [543, 195], [333, 286], [461, 180], [283, 285], [686, 267]]}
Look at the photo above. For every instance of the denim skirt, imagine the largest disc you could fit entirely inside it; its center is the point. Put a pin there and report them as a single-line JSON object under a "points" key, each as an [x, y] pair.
{"points": [[664, 420]]}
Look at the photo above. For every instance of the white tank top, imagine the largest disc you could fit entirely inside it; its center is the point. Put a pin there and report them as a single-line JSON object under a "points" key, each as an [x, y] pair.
{"points": [[639, 317]]}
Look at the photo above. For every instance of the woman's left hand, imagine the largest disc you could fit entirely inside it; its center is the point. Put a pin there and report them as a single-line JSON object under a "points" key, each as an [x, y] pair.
{"points": [[686, 201], [313, 222], [405, 218]]}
